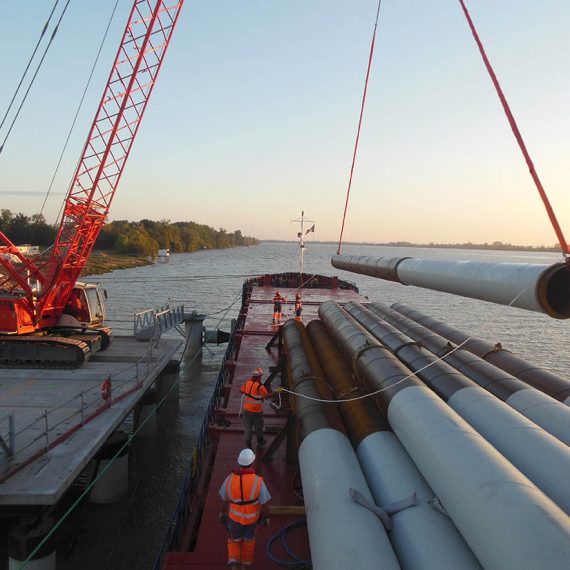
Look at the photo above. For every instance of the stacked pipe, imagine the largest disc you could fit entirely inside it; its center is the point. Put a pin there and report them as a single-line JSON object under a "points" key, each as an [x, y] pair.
{"points": [[541, 288], [543, 380], [550, 414], [423, 537], [342, 533], [540, 456], [506, 520]]}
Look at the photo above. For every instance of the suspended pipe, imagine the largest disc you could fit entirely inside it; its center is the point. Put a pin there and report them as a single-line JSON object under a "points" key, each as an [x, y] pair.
{"points": [[342, 534], [506, 520], [544, 380], [548, 413], [540, 288], [544, 459], [423, 537]]}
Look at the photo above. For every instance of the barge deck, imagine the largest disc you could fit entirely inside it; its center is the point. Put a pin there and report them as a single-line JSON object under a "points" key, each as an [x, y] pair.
{"points": [[200, 540]]}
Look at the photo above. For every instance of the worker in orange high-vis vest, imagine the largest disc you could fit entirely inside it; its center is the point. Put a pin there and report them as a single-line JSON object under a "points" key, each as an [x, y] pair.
{"points": [[245, 493], [278, 302], [298, 307], [254, 392]]}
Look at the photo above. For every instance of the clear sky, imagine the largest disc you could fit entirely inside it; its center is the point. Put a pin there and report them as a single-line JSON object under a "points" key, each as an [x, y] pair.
{"points": [[255, 111]]}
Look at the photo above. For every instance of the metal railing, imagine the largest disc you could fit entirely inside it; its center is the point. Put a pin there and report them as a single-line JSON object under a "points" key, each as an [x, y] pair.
{"points": [[154, 322], [57, 424]]}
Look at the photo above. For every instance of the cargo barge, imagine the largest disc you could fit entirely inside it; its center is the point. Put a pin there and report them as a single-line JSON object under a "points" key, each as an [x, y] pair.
{"points": [[392, 457]]}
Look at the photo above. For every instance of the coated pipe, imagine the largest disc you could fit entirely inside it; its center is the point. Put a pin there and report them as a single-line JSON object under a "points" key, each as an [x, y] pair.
{"points": [[548, 413], [342, 534], [548, 382], [541, 288], [423, 538], [540, 456], [506, 520]]}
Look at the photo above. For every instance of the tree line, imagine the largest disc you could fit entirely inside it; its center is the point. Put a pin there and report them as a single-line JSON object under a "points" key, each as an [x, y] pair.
{"points": [[129, 238], [499, 245]]}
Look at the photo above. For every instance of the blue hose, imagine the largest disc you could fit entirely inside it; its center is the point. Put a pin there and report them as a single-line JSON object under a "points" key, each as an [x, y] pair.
{"points": [[296, 562]]}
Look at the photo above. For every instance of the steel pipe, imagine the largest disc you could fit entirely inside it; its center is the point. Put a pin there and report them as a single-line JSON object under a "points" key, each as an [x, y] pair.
{"points": [[342, 533], [540, 288], [423, 538], [548, 413], [506, 520], [544, 380], [544, 459]]}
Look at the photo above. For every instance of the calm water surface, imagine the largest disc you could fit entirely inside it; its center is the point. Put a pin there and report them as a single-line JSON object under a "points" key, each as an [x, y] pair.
{"points": [[208, 281], [128, 535]]}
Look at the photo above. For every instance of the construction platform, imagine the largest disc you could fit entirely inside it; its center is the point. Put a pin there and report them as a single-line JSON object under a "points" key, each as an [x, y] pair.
{"points": [[53, 421], [280, 472]]}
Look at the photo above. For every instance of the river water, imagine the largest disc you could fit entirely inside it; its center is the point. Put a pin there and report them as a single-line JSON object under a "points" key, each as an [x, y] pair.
{"points": [[127, 535]]}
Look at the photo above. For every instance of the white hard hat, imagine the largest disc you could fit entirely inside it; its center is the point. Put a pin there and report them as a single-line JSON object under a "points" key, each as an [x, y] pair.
{"points": [[246, 457]]}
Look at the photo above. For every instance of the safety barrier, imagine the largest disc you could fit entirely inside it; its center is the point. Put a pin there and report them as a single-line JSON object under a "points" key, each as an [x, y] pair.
{"points": [[155, 322], [39, 436]]}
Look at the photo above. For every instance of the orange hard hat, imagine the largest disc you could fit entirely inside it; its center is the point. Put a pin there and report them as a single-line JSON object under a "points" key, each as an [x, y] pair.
{"points": [[298, 296], [258, 372]]}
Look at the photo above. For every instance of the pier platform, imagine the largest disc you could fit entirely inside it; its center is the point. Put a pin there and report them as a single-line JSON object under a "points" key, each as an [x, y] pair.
{"points": [[53, 421]]}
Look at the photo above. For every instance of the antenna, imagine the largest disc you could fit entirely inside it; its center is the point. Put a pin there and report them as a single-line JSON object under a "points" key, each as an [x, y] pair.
{"points": [[301, 236]]}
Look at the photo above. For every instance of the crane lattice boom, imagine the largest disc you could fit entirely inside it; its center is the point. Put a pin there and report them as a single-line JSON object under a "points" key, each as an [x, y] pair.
{"points": [[136, 66]]}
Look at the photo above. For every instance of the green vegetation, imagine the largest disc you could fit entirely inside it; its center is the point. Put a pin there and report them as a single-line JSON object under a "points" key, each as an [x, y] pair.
{"points": [[147, 237], [142, 238], [22, 229]]}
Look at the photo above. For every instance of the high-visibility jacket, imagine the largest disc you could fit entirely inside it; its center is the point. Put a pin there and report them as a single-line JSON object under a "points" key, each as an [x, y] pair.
{"points": [[242, 491], [254, 392]]}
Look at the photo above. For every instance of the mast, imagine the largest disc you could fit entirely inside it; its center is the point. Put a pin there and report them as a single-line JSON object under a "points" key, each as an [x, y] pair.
{"points": [[301, 236]]}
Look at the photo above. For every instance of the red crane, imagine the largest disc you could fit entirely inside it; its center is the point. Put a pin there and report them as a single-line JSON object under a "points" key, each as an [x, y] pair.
{"points": [[34, 292]]}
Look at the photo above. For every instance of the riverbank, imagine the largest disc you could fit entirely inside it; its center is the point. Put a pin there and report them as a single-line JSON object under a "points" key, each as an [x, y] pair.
{"points": [[101, 262]]}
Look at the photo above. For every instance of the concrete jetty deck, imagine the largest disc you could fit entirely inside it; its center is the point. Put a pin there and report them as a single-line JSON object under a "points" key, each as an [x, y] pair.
{"points": [[60, 418]]}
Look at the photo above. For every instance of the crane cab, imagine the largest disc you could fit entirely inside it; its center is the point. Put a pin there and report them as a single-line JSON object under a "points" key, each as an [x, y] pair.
{"points": [[85, 308]]}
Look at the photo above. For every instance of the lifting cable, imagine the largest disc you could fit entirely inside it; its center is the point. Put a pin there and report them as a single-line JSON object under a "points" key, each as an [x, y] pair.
{"points": [[34, 76], [359, 123], [78, 110], [29, 63], [517, 133]]}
